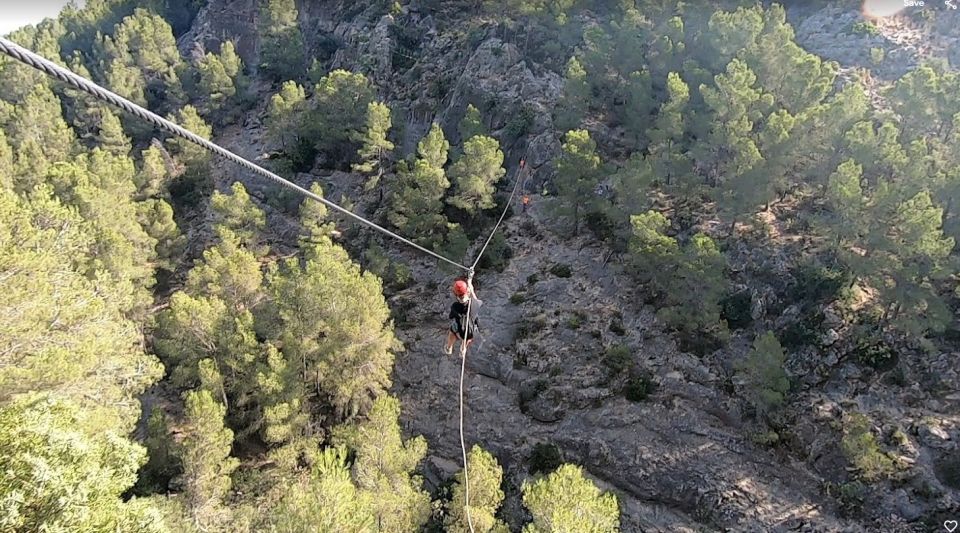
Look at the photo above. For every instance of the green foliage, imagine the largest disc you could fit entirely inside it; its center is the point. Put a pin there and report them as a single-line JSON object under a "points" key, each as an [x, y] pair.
{"points": [[638, 388], [313, 217], [576, 96], [280, 393], [860, 447], [577, 174], [65, 332], [472, 124], [333, 319], [476, 174], [544, 458], [375, 147], [194, 182], [205, 454], [417, 200], [282, 54], [339, 113], [498, 254], [486, 476], [162, 464], [39, 136], [567, 501], [875, 353], [519, 123], [58, 477], [736, 309], [140, 61], [237, 214], [618, 358], [561, 270], [285, 113], [762, 372], [865, 27], [325, 501], [384, 467], [221, 79]]}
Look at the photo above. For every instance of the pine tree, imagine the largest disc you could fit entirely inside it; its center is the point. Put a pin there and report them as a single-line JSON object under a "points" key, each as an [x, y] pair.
{"points": [[576, 96], [154, 177], [195, 160], [417, 203], [375, 147], [476, 174], [58, 477], [111, 137], [221, 79], [6, 163], [327, 501], [692, 296], [667, 154], [654, 253], [162, 465], [282, 53], [486, 496], [334, 322], [156, 218], [763, 374], [567, 501], [285, 114], [578, 171], [51, 307], [472, 124], [229, 271], [339, 111], [313, 219], [237, 213], [280, 394], [205, 453], [384, 468], [39, 135]]}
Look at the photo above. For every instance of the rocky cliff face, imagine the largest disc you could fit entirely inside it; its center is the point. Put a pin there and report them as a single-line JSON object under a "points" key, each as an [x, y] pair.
{"points": [[684, 459]]}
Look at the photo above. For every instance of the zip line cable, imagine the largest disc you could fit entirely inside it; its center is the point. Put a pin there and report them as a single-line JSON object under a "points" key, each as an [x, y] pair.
{"points": [[27, 57]]}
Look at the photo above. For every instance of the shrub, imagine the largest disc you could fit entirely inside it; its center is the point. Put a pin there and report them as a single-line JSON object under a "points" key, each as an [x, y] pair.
{"points": [[618, 358], [544, 458], [601, 224], [865, 28], [816, 284], [875, 354], [532, 279], [638, 388], [616, 327], [519, 124], [860, 447], [498, 254], [517, 298], [735, 309], [803, 332], [561, 271]]}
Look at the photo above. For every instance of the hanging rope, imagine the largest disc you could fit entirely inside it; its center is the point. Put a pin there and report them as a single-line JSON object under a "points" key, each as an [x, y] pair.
{"points": [[463, 352], [463, 445], [29, 58]]}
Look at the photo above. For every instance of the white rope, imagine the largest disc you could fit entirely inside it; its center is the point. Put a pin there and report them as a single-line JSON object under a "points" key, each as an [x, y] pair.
{"points": [[29, 58], [463, 445]]}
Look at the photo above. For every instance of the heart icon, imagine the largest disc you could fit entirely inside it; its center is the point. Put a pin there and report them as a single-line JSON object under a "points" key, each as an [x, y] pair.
{"points": [[950, 525]]}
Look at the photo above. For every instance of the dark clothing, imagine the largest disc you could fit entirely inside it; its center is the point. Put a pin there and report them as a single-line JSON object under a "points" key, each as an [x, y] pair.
{"points": [[458, 317]]}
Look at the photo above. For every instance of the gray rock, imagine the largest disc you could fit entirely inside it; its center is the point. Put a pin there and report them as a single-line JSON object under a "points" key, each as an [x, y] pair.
{"points": [[932, 434], [829, 337]]}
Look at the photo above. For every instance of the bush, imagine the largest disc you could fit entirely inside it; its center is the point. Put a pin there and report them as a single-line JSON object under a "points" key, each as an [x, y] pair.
{"points": [[517, 298], [638, 388], [816, 284], [519, 124], [544, 458], [736, 309], [532, 279], [561, 270], [529, 326], [616, 327], [498, 254], [875, 354], [803, 332], [618, 358], [860, 447], [865, 28], [601, 224]]}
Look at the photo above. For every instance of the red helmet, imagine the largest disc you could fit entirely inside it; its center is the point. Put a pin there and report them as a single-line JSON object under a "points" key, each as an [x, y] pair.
{"points": [[460, 288]]}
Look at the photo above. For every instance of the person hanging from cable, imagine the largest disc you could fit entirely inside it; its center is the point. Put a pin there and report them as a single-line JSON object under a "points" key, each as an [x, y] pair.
{"points": [[463, 327]]}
